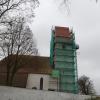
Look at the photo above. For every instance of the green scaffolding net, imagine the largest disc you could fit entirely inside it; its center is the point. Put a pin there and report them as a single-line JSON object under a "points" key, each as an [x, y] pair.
{"points": [[52, 49], [63, 58]]}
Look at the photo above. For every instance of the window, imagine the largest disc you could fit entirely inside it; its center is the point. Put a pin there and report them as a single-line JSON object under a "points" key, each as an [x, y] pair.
{"points": [[41, 83], [34, 88]]}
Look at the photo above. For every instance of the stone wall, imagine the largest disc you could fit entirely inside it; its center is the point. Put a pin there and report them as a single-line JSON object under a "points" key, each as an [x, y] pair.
{"points": [[11, 93]]}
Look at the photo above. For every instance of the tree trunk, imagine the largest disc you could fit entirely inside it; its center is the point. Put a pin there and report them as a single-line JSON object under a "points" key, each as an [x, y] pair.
{"points": [[12, 77], [7, 77], [11, 80]]}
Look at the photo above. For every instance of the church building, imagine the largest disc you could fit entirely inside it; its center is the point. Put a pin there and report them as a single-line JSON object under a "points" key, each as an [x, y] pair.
{"points": [[55, 73]]}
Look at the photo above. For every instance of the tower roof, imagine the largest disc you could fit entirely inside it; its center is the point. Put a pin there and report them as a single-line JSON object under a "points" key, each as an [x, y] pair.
{"points": [[62, 32]]}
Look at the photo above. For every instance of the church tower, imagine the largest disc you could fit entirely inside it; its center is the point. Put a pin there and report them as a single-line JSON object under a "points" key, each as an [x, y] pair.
{"points": [[63, 59]]}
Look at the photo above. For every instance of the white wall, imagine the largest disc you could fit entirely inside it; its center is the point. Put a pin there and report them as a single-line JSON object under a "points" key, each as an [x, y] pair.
{"points": [[10, 93], [48, 82], [34, 81]]}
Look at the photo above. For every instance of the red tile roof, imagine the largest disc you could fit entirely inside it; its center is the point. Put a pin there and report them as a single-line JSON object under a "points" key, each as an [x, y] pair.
{"points": [[30, 64]]}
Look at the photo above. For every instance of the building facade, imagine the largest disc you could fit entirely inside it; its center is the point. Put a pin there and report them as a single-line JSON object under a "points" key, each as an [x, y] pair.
{"points": [[42, 82]]}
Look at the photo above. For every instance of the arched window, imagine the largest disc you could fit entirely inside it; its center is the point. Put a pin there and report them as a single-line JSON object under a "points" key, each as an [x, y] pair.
{"points": [[41, 83]]}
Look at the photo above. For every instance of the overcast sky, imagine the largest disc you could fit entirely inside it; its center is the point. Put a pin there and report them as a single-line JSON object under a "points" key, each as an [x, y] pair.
{"points": [[84, 17]]}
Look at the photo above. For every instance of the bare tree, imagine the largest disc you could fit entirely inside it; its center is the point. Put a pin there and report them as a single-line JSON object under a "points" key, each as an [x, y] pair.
{"points": [[86, 85], [16, 41], [9, 5]]}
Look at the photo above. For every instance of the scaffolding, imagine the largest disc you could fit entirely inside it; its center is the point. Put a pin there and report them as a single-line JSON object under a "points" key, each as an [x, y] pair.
{"points": [[63, 60]]}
